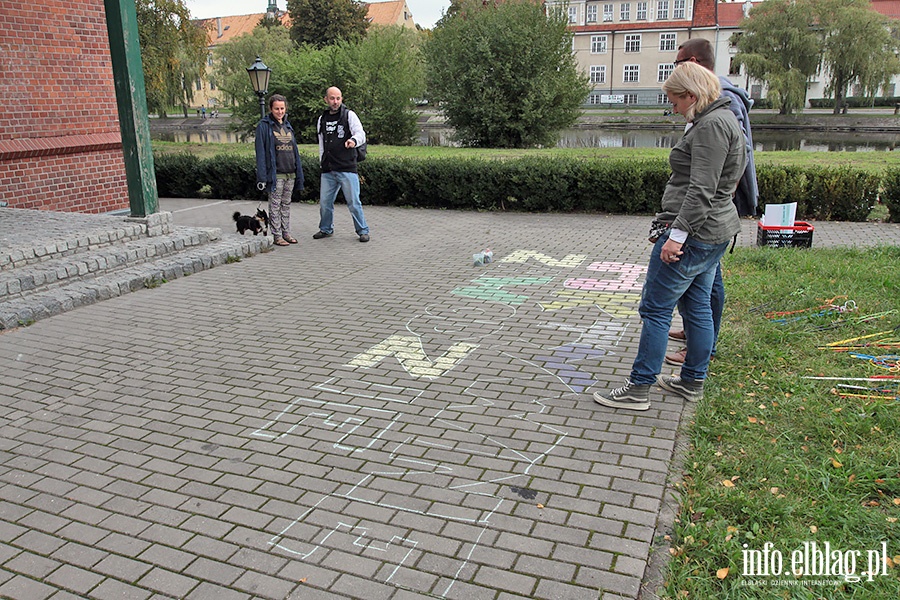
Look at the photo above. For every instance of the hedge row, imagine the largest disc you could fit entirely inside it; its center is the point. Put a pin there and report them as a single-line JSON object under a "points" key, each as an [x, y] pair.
{"points": [[536, 184]]}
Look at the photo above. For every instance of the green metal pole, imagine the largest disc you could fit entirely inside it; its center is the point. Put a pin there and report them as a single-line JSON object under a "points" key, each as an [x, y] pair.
{"points": [[131, 98]]}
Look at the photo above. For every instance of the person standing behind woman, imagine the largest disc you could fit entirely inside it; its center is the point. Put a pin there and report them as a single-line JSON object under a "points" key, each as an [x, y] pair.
{"points": [[278, 167], [697, 222], [746, 196]]}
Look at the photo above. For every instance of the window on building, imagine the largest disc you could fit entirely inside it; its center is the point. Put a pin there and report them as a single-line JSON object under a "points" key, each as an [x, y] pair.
{"points": [[607, 13], [591, 13], [662, 99], [640, 11], [198, 85], [733, 67], [667, 42], [212, 86], [633, 42], [678, 9], [663, 71], [594, 99], [631, 73], [631, 98], [598, 44], [573, 15], [598, 73], [662, 10], [209, 60], [624, 12]]}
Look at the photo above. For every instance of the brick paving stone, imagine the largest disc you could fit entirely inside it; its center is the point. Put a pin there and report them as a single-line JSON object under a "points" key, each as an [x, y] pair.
{"points": [[74, 579], [167, 582], [189, 456]]}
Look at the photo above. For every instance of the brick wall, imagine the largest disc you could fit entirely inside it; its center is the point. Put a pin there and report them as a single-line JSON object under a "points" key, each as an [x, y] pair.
{"points": [[60, 144]]}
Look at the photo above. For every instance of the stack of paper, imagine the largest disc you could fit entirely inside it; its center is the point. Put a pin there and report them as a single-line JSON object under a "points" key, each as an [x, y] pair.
{"points": [[779, 215]]}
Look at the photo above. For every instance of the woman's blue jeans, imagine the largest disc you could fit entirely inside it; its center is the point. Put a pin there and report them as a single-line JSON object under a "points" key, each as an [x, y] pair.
{"points": [[687, 284]]}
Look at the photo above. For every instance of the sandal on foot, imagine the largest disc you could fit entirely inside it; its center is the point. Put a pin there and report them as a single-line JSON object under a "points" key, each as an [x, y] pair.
{"points": [[281, 242], [290, 240]]}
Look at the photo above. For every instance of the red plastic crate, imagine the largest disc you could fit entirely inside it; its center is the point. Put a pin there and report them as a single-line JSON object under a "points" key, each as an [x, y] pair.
{"points": [[798, 236]]}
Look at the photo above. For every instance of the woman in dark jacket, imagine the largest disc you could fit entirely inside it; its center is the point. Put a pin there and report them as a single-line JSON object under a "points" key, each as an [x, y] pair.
{"points": [[278, 168], [691, 234]]}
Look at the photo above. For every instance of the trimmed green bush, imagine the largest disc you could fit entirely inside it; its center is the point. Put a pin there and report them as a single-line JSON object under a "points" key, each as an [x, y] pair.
{"points": [[780, 185], [890, 194], [843, 194], [180, 180], [558, 184]]}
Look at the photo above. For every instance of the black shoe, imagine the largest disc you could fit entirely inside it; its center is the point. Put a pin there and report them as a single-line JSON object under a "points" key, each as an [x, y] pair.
{"points": [[631, 396], [320, 234], [364, 237], [689, 389]]}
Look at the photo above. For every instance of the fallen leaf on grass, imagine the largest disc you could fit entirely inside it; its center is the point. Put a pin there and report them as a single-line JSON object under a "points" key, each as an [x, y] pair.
{"points": [[728, 483], [897, 501], [722, 573], [813, 529], [753, 419], [836, 464]]}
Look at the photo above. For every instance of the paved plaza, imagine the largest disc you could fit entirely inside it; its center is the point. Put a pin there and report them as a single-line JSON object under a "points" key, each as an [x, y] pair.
{"points": [[332, 419]]}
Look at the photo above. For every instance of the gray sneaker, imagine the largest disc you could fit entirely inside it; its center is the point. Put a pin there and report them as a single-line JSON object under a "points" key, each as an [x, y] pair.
{"points": [[689, 389], [631, 397]]}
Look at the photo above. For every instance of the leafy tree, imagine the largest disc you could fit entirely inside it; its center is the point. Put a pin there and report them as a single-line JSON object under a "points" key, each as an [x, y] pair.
{"points": [[173, 53], [232, 59], [505, 73], [325, 22], [779, 46], [858, 48], [380, 75]]}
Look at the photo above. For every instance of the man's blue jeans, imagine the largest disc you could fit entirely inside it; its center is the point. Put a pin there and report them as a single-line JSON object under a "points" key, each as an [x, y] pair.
{"points": [[717, 304], [349, 184], [687, 284]]}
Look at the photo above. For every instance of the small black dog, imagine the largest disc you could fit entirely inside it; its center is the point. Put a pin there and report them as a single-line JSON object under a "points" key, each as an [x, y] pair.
{"points": [[256, 224]]}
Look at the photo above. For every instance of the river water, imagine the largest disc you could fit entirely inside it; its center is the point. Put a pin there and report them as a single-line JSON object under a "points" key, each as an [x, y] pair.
{"points": [[764, 140]]}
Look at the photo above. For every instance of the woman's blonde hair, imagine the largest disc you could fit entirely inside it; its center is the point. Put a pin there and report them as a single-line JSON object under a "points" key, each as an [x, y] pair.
{"points": [[700, 82]]}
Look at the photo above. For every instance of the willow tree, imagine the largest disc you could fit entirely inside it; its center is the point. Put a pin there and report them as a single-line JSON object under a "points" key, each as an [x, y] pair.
{"points": [[858, 48], [778, 45], [173, 53]]}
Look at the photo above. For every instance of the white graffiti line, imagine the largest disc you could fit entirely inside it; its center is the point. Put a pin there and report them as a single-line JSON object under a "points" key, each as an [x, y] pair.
{"points": [[376, 396], [465, 562], [359, 423], [521, 256], [411, 355], [263, 433], [284, 532]]}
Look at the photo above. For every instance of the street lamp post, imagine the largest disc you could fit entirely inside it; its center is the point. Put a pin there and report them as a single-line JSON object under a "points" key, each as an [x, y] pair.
{"points": [[259, 79]]}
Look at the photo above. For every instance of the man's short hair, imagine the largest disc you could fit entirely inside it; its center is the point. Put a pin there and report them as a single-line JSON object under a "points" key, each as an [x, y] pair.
{"points": [[702, 50]]}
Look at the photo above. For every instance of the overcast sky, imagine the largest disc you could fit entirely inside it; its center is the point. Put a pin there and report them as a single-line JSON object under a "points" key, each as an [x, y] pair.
{"points": [[425, 12]]}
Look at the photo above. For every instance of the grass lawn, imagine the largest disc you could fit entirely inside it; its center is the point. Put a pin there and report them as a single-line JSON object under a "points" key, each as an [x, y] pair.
{"points": [[776, 458]]}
